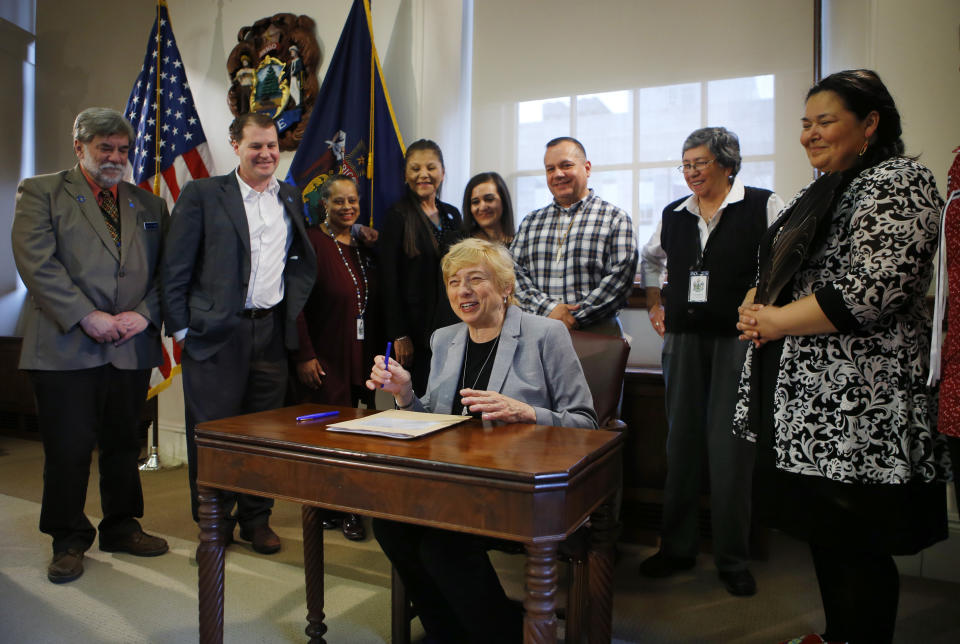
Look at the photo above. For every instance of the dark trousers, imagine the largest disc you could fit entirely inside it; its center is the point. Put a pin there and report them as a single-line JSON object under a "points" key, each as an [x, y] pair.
{"points": [[860, 593], [451, 582], [77, 411], [701, 374], [248, 374]]}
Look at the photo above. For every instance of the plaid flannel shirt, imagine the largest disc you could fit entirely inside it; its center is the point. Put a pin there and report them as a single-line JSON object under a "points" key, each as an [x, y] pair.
{"points": [[592, 265]]}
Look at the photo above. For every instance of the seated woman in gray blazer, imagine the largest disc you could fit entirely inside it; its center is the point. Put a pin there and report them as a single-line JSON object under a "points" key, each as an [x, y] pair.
{"points": [[499, 364]]}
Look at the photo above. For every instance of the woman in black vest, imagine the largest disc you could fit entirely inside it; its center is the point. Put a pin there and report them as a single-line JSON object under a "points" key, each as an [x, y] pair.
{"points": [[705, 253]]}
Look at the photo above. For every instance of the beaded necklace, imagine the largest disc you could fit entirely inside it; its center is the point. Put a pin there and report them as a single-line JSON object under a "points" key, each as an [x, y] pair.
{"points": [[361, 301]]}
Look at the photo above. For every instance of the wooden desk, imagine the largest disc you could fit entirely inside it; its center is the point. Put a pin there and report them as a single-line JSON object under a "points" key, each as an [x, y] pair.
{"points": [[525, 483]]}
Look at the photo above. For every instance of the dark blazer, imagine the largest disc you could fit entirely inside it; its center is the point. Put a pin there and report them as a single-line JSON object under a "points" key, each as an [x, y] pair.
{"points": [[414, 298], [206, 264], [535, 364], [71, 267]]}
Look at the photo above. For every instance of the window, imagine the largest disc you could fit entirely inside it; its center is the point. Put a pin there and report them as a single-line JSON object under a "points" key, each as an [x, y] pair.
{"points": [[634, 137]]}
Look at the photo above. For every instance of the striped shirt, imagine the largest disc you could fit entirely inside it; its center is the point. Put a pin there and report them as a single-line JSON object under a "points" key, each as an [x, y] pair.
{"points": [[585, 254]]}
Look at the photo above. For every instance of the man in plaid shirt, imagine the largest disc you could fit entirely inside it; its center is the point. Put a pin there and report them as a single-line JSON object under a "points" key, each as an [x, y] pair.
{"points": [[577, 257]]}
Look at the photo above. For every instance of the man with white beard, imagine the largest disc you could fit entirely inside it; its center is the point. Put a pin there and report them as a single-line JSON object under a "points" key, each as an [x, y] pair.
{"points": [[87, 246]]}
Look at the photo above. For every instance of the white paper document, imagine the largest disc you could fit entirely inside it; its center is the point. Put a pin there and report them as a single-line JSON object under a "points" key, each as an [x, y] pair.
{"points": [[397, 423]]}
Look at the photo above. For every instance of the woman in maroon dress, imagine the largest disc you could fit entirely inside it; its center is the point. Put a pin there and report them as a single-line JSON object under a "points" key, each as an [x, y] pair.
{"points": [[338, 317], [949, 421]]}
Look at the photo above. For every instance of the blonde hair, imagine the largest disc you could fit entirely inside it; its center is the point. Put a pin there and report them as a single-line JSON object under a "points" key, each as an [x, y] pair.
{"points": [[473, 251]]}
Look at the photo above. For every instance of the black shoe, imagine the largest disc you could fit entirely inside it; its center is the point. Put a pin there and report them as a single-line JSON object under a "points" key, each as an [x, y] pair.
{"points": [[65, 566], [332, 523], [353, 528], [661, 565], [739, 582]]}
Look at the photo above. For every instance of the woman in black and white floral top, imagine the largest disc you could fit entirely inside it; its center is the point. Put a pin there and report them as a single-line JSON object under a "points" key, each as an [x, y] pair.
{"points": [[834, 389]]}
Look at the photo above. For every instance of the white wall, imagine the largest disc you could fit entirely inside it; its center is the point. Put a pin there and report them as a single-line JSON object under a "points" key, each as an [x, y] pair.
{"points": [[915, 47]]}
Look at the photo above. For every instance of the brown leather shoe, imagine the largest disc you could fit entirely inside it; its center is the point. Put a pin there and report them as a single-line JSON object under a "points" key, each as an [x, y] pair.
{"points": [[264, 540], [65, 566], [353, 527], [137, 543]]}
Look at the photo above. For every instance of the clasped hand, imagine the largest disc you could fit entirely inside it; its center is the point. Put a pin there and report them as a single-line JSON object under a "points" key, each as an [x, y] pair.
{"points": [[104, 327], [756, 323], [564, 313]]}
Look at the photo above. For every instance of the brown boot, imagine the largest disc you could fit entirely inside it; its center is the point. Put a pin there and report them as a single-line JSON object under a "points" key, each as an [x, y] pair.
{"points": [[65, 566]]}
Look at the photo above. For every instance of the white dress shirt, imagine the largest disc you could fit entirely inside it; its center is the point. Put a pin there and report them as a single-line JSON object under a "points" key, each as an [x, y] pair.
{"points": [[271, 234], [270, 238]]}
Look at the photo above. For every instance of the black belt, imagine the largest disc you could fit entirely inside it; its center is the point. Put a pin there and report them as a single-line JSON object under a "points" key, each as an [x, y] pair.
{"points": [[255, 314]]}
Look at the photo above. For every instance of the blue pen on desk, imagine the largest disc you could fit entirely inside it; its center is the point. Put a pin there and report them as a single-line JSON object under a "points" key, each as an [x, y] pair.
{"points": [[386, 359], [322, 414]]}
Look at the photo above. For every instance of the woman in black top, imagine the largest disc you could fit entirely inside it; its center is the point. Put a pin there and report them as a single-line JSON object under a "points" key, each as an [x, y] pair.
{"points": [[418, 231]]}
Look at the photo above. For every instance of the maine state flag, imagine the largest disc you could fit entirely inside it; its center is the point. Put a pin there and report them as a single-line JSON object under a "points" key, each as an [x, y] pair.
{"points": [[352, 129]]}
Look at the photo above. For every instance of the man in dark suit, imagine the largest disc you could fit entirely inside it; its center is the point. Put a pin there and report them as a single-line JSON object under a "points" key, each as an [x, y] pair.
{"points": [[87, 246], [236, 270]]}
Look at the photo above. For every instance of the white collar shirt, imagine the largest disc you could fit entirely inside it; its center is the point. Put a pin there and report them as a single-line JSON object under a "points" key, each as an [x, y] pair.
{"points": [[654, 258], [270, 238]]}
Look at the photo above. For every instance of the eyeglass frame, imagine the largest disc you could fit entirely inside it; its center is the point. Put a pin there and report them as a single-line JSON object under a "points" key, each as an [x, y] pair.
{"points": [[696, 166]]}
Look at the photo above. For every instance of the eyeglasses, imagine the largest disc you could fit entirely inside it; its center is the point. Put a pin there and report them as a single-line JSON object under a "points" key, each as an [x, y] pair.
{"points": [[690, 167]]}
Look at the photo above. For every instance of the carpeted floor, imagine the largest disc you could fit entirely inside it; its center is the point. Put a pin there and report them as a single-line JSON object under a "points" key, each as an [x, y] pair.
{"points": [[121, 598]]}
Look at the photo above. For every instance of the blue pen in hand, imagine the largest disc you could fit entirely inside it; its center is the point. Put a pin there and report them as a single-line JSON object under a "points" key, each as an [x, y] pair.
{"points": [[323, 414], [386, 359]]}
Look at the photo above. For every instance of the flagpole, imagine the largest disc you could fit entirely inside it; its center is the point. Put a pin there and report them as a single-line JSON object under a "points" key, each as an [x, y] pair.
{"points": [[373, 103], [156, 136], [152, 464]]}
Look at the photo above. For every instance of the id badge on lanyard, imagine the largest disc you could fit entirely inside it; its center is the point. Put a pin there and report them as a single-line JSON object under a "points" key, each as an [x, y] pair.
{"points": [[699, 279], [699, 282]]}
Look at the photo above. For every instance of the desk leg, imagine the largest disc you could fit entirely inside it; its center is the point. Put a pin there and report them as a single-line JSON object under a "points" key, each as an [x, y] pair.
{"points": [[540, 620], [210, 564], [603, 538], [313, 569]]}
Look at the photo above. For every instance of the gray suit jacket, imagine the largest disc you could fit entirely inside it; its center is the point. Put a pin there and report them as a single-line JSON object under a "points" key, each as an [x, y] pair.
{"points": [[206, 264], [71, 267], [535, 364]]}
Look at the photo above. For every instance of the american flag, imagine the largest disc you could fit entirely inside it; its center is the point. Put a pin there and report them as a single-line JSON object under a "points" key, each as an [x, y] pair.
{"points": [[170, 148]]}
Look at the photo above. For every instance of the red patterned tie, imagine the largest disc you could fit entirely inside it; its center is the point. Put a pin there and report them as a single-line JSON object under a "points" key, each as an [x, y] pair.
{"points": [[111, 216]]}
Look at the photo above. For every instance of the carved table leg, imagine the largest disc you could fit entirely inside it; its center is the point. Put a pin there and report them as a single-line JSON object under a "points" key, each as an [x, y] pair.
{"points": [[540, 620], [210, 566], [603, 539], [313, 569]]}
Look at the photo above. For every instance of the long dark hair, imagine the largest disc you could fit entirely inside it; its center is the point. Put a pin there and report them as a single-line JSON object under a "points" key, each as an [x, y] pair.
{"points": [[470, 225], [862, 92], [415, 221]]}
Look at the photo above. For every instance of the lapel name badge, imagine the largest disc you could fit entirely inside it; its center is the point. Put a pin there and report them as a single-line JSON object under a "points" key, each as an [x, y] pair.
{"points": [[151, 225]]}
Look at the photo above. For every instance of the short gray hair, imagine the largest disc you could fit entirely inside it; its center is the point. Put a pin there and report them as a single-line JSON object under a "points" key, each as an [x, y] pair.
{"points": [[722, 143], [100, 121]]}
